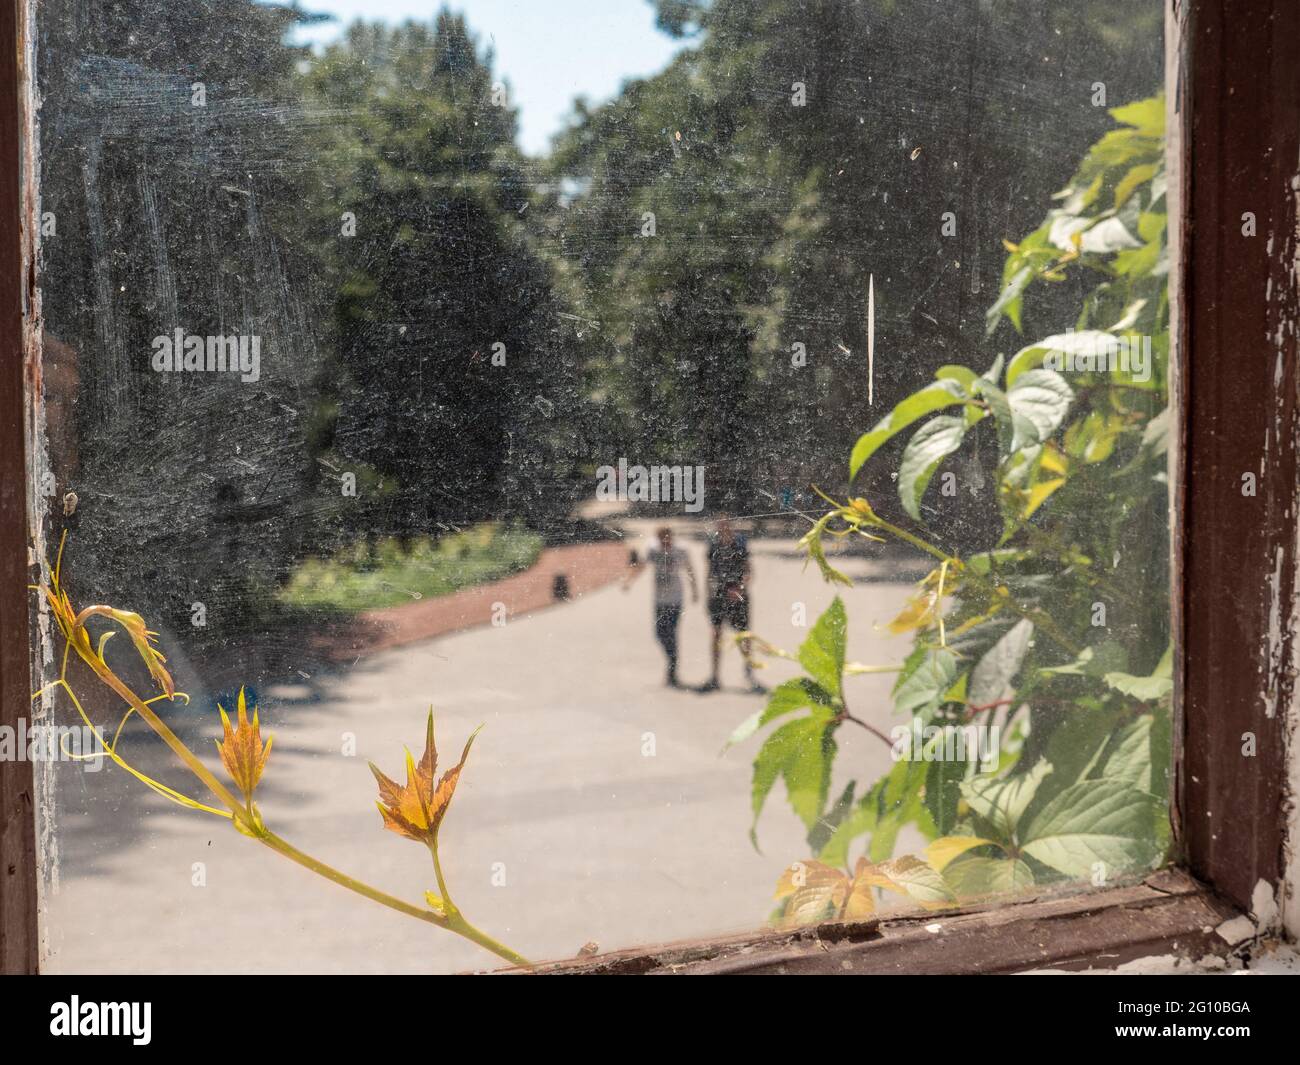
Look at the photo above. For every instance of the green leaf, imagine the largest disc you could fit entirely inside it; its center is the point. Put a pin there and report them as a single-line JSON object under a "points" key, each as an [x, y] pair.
{"points": [[917, 880], [1134, 262], [981, 877], [1010, 300], [994, 372], [942, 393], [1000, 801], [1076, 745], [1042, 399], [812, 542], [799, 752], [1012, 427], [1106, 821], [993, 674], [943, 780], [1082, 342], [1135, 177], [822, 654], [924, 680], [1161, 754], [793, 695], [1147, 689], [900, 804], [861, 820], [962, 375], [1093, 438], [820, 833], [935, 440], [1147, 115], [1152, 225], [1129, 758], [1093, 662]]}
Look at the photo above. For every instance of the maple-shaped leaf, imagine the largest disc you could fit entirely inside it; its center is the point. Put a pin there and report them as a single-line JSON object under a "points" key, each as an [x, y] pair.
{"points": [[241, 748], [416, 810]]}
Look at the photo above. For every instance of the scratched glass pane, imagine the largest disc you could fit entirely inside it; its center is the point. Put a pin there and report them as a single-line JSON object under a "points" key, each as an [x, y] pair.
{"points": [[743, 419]]}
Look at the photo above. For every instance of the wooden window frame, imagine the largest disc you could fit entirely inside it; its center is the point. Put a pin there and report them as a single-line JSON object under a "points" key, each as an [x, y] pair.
{"points": [[1233, 76]]}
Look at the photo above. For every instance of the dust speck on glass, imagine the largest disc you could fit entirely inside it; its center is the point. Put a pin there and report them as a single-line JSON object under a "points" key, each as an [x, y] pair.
{"points": [[742, 422]]}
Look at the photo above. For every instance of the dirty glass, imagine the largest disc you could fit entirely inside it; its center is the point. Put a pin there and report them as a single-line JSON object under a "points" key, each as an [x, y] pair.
{"points": [[742, 421]]}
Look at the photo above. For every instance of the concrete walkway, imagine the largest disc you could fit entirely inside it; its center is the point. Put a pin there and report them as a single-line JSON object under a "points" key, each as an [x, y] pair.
{"points": [[595, 805]]}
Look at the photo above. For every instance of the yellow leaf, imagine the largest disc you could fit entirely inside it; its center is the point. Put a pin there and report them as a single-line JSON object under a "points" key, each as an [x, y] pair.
{"points": [[813, 891], [142, 637], [860, 904], [917, 614], [1052, 461], [944, 849], [241, 748], [1039, 494]]}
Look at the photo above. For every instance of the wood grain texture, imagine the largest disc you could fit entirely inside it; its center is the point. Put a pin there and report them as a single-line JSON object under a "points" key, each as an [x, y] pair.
{"points": [[1238, 335], [1167, 914], [18, 867]]}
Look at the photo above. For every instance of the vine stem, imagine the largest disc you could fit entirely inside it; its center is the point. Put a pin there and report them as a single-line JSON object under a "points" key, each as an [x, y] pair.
{"points": [[1042, 620], [452, 921], [457, 922], [846, 716]]}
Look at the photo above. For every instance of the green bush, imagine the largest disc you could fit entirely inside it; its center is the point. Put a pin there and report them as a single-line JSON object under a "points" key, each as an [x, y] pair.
{"points": [[1058, 633], [388, 572]]}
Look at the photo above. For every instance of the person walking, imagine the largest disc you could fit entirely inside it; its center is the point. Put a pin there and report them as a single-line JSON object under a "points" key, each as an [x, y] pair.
{"points": [[669, 564], [729, 579]]}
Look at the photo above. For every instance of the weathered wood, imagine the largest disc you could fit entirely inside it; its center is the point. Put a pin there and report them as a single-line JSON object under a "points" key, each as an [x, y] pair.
{"points": [[1238, 383], [18, 869], [1166, 914]]}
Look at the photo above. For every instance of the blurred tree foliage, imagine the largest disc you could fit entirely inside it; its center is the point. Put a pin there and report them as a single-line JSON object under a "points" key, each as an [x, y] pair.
{"points": [[799, 147], [794, 149], [451, 373]]}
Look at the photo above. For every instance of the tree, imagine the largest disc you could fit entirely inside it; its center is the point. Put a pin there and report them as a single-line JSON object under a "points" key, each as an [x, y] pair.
{"points": [[452, 379], [799, 148]]}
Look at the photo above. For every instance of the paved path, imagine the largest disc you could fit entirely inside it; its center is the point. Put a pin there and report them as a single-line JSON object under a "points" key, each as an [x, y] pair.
{"points": [[597, 795]]}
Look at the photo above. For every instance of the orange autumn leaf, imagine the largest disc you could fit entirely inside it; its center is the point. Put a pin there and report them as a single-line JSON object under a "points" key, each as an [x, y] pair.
{"points": [[814, 891], [241, 748], [73, 626], [415, 811], [142, 637]]}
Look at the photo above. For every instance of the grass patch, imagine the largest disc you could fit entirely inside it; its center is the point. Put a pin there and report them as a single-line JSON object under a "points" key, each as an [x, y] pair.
{"points": [[369, 575]]}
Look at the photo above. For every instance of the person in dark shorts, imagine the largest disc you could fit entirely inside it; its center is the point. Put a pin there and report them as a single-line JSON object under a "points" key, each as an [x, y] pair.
{"points": [[669, 564], [729, 578]]}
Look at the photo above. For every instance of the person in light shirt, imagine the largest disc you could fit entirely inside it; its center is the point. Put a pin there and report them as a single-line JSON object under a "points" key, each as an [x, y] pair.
{"points": [[670, 564]]}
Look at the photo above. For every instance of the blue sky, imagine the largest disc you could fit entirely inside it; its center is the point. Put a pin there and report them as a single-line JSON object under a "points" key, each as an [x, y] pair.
{"points": [[549, 51]]}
